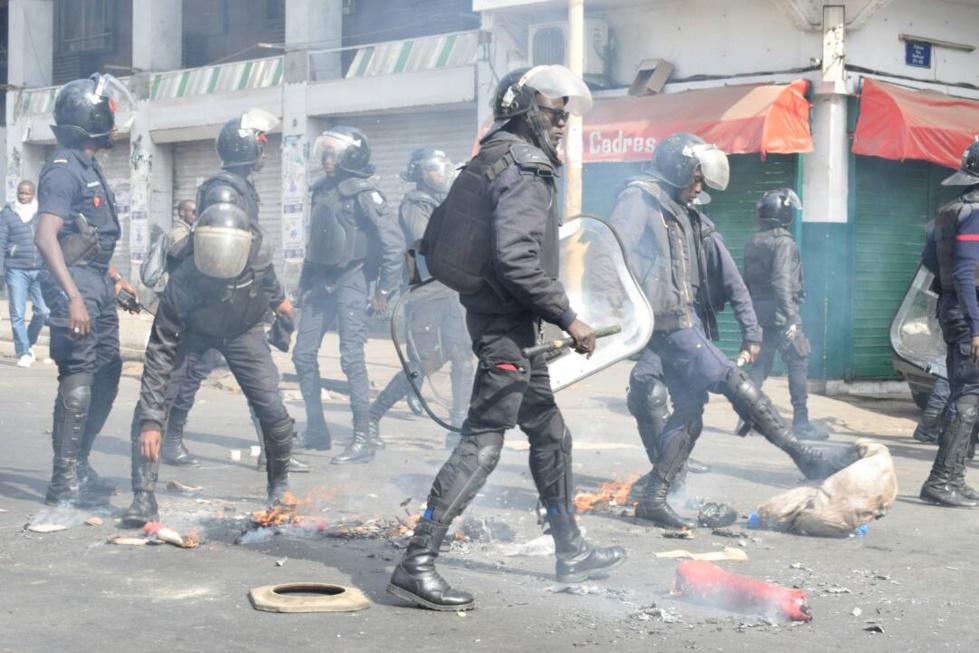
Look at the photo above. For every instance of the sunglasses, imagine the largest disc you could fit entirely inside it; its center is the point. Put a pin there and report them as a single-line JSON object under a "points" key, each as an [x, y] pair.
{"points": [[557, 115]]}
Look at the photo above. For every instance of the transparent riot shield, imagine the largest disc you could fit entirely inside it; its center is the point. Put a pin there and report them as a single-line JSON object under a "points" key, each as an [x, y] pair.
{"points": [[916, 336], [604, 293], [428, 327]]}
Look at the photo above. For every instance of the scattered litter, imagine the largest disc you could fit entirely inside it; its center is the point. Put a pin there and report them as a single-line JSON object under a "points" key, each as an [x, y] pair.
{"points": [[170, 536], [3, 510], [728, 553], [123, 540], [717, 515], [837, 590], [405, 503], [682, 534], [236, 455], [461, 613], [177, 486], [874, 628], [856, 612], [46, 528], [281, 563], [707, 583], [729, 532], [94, 521], [650, 612], [799, 565], [475, 529], [577, 589], [539, 546]]}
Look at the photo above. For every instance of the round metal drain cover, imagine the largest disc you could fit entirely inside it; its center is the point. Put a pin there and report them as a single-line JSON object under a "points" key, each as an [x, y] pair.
{"points": [[308, 597]]}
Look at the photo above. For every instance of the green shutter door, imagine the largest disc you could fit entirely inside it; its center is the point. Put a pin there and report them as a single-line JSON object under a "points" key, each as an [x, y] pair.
{"points": [[733, 211], [893, 202]]}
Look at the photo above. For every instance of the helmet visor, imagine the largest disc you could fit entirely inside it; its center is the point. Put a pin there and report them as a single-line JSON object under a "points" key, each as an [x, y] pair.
{"points": [[556, 82], [259, 120], [437, 172], [221, 252], [961, 178], [333, 144], [713, 164], [121, 101]]}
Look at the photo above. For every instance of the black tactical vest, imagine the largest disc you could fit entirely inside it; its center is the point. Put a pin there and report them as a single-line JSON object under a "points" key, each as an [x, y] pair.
{"points": [[338, 233], [946, 227]]}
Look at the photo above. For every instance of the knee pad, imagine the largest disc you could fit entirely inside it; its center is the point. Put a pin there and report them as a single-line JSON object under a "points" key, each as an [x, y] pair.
{"points": [[75, 392], [740, 389], [489, 446], [648, 400]]}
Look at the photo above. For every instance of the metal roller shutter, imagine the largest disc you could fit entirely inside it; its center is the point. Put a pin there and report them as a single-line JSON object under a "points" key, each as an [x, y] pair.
{"points": [[195, 161], [393, 136], [893, 202], [117, 169]]}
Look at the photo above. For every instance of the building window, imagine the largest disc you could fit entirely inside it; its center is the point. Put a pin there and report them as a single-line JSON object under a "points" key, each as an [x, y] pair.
{"points": [[205, 17], [86, 26]]}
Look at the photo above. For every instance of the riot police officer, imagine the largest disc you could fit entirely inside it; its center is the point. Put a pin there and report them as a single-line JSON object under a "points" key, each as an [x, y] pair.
{"points": [[663, 232], [76, 235], [216, 298], [952, 254], [508, 284], [434, 317], [773, 272], [353, 241], [647, 394]]}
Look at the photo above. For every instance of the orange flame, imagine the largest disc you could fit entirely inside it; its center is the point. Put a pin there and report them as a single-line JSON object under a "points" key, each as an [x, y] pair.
{"points": [[615, 493]]}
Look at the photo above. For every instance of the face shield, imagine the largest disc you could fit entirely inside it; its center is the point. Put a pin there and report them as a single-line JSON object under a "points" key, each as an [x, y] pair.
{"points": [[222, 241], [120, 100], [961, 178], [260, 120], [558, 82], [437, 173], [328, 151], [713, 164]]}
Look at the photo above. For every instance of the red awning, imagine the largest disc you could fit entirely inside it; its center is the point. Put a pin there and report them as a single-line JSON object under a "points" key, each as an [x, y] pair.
{"points": [[739, 119], [899, 123]]}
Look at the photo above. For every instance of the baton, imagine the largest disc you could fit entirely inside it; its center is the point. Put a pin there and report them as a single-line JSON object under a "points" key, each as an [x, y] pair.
{"points": [[555, 345]]}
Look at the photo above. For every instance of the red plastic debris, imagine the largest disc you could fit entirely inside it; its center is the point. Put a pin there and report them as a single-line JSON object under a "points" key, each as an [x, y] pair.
{"points": [[705, 582]]}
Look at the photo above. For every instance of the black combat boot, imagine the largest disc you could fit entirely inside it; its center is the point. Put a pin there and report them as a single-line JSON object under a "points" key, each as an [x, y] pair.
{"points": [[415, 578], [316, 437], [144, 475], [278, 448], [374, 434], [577, 560], [946, 483], [174, 452], [803, 429], [396, 389], [66, 438], [652, 505], [358, 451]]}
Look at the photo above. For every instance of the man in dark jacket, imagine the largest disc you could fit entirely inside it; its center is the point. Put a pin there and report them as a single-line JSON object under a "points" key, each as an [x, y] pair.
{"points": [[353, 241], [22, 263], [435, 320], [773, 272], [495, 239], [655, 218], [217, 298]]}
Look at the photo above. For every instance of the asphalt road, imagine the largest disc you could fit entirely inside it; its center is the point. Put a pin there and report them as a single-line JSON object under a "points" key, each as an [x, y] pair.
{"points": [[911, 576]]}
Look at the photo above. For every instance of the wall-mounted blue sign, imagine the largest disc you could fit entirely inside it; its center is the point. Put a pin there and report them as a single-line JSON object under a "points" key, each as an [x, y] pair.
{"points": [[917, 55]]}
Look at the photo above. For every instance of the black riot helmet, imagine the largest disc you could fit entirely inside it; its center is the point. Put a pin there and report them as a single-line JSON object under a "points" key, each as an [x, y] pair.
{"points": [[968, 174], [349, 148], [222, 241], [777, 208], [241, 141], [86, 109], [678, 156], [516, 96], [429, 168]]}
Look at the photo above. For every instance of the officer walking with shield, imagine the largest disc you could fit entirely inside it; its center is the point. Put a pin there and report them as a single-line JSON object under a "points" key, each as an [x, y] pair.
{"points": [[353, 241], [435, 320], [495, 240], [217, 297], [76, 235]]}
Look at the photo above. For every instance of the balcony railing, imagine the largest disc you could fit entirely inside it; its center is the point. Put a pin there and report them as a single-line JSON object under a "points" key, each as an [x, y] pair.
{"points": [[213, 80], [392, 57]]}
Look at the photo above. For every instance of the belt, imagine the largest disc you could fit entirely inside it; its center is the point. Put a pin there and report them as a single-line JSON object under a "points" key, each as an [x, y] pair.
{"points": [[672, 322]]}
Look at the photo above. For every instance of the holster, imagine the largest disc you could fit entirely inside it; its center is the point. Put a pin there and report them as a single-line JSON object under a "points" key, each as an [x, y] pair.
{"points": [[81, 247], [799, 344]]}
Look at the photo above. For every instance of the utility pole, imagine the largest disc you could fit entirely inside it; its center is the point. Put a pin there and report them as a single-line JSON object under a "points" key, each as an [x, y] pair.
{"points": [[573, 142]]}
